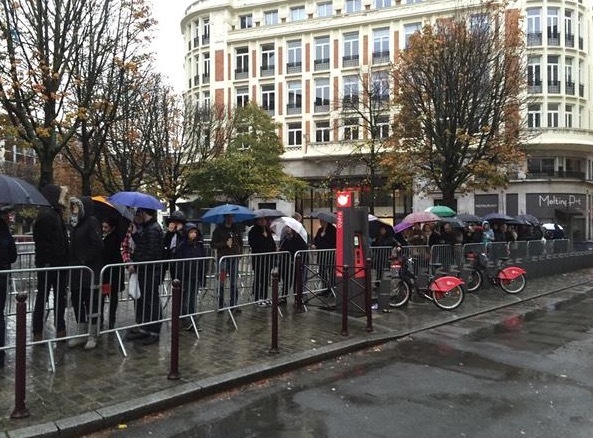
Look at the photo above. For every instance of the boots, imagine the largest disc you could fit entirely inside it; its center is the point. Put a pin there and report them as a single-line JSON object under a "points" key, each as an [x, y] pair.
{"points": [[75, 342], [91, 341]]}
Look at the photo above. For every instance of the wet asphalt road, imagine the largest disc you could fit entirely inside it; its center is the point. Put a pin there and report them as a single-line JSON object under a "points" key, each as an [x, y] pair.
{"points": [[533, 380]]}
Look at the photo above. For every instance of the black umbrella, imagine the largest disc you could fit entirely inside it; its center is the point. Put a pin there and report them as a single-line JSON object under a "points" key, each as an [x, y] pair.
{"points": [[269, 213], [529, 218], [375, 224], [467, 217], [455, 222], [496, 217], [16, 191], [325, 216]]}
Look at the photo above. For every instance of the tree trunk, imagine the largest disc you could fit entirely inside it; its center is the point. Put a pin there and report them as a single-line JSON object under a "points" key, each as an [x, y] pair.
{"points": [[46, 168], [449, 197], [172, 206]]}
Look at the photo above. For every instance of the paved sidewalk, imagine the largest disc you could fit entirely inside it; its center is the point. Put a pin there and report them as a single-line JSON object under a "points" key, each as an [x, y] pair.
{"points": [[100, 388]]}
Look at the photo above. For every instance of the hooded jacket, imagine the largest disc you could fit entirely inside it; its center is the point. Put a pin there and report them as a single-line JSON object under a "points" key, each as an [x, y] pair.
{"points": [[86, 242], [49, 230]]}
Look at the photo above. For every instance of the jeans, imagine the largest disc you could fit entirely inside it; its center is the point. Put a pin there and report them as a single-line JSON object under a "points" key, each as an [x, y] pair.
{"points": [[57, 281], [230, 267], [148, 306]]}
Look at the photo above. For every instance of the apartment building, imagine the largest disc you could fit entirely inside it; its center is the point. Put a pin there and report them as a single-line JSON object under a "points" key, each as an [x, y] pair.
{"points": [[300, 60]]}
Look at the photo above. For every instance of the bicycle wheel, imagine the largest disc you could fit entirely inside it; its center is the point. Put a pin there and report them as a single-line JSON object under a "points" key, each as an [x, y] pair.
{"points": [[513, 286], [474, 280], [448, 300], [400, 293]]}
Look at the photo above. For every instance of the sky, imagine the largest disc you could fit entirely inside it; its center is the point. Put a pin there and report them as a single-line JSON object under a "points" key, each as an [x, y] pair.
{"points": [[169, 41]]}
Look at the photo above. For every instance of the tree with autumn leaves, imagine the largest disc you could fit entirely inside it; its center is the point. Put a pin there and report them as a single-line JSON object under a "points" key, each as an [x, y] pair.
{"points": [[459, 90]]}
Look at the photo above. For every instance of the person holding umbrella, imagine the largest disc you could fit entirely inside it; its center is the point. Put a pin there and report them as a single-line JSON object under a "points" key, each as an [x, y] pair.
{"points": [[51, 250], [325, 238], [262, 244], [227, 240], [8, 255]]}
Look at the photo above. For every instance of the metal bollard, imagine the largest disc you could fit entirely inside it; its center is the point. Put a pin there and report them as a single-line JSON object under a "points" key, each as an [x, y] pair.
{"points": [[345, 281], [274, 348], [20, 368], [175, 310], [298, 271], [368, 290]]}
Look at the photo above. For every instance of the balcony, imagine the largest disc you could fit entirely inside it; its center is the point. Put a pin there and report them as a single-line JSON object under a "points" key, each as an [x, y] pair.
{"points": [[553, 39], [294, 67], [581, 90], [381, 57], [292, 109], [350, 61], [196, 41], [241, 73], [534, 39], [554, 87], [569, 40], [270, 111], [321, 64], [196, 80], [572, 174], [569, 88], [581, 43], [267, 70], [205, 39], [350, 102], [205, 78], [534, 87], [320, 108]]}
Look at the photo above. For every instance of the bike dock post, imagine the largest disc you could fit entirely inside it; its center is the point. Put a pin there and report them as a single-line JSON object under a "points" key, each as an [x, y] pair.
{"points": [[298, 271], [345, 281], [368, 295], [20, 386], [274, 347], [175, 310]]}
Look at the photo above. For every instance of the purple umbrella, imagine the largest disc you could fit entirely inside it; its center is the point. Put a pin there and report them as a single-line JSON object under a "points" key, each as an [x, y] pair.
{"points": [[402, 226]]}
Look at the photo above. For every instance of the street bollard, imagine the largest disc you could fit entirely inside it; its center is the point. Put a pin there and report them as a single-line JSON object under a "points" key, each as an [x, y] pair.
{"points": [[298, 271], [175, 310], [274, 348], [345, 281], [20, 366], [368, 290]]}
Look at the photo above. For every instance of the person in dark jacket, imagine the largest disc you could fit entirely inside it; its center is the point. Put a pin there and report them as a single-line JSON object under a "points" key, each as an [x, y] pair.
{"points": [[291, 242], [86, 249], [227, 240], [262, 246], [148, 247], [8, 255], [51, 251], [192, 273], [113, 278], [173, 237], [325, 238], [383, 244]]}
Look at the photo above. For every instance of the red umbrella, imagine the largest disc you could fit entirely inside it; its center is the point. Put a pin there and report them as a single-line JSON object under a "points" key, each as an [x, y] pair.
{"points": [[421, 216]]}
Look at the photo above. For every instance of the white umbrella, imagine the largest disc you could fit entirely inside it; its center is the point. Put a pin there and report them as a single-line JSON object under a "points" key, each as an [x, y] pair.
{"points": [[551, 227], [278, 224]]}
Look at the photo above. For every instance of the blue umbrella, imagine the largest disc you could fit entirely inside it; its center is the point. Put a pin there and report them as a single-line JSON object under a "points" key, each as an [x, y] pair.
{"points": [[496, 217], [216, 214], [137, 200]]}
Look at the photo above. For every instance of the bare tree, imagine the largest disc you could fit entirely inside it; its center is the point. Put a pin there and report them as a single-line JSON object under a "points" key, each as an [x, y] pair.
{"points": [[460, 83]]}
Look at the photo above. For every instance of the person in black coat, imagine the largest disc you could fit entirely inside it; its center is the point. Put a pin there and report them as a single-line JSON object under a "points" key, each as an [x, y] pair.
{"points": [[290, 241], [262, 245], [325, 238], [86, 249], [8, 255], [383, 244], [192, 273], [51, 251], [113, 278]]}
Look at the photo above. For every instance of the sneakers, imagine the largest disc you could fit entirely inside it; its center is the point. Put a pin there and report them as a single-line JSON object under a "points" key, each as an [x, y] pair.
{"points": [[91, 343], [187, 326], [75, 342]]}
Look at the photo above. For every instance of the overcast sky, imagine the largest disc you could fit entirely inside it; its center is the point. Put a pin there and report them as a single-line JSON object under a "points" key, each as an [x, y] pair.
{"points": [[169, 41]]}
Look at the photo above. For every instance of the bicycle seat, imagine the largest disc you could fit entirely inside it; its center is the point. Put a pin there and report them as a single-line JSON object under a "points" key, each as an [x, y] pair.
{"points": [[504, 258]]}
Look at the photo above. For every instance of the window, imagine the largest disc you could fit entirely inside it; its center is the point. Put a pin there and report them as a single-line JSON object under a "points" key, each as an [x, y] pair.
{"points": [[351, 89], [553, 81], [206, 32], [206, 73], [242, 97], [297, 13], [553, 115], [534, 116], [568, 116], [381, 42], [267, 57], [553, 23], [322, 50], [322, 132], [322, 93], [295, 134], [380, 86], [324, 9], [246, 21], [382, 127], [351, 46], [411, 2], [295, 94], [206, 99], [534, 80], [409, 30], [268, 97], [534, 29], [351, 129], [568, 28], [295, 54], [540, 166], [568, 78], [271, 18], [242, 60], [351, 6], [379, 4], [479, 23]]}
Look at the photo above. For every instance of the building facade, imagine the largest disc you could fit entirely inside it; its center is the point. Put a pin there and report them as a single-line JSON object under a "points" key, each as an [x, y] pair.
{"points": [[301, 61]]}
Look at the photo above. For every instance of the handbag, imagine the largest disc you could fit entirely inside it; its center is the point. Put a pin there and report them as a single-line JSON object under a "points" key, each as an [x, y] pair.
{"points": [[134, 286]]}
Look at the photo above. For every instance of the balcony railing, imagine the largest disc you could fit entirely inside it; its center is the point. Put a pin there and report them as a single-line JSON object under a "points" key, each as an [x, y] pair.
{"points": [[196, 41], [581, 90], [241, 73], [267, 70], [321, 108], [350, 61], [321, 64], [534, 39], [381, 57], [196, 80], [205, 78], [535, 87], [573, 174], [270, 111], [554, 87], [553, 39], [350, 102], [292, 108], [205, 39], [581, 43], [294, 67], [569, 88], [569, 40]]}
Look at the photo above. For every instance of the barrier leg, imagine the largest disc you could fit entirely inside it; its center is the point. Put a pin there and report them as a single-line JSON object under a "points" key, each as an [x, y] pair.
{"points": [[175, 309], [298, 271], [20, 378], [345, 281], [274, 348]]}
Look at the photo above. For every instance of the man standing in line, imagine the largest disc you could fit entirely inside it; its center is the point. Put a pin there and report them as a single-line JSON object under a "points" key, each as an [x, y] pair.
{"points": [[228, 241], [51, 250], [8, 255]]}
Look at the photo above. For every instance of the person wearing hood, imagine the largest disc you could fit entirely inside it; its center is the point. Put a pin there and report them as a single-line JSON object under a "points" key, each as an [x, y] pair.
{"points": [[192, 273], [487, 232], [51, 250], [262, 245], [86, 249], [8, 255]]}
